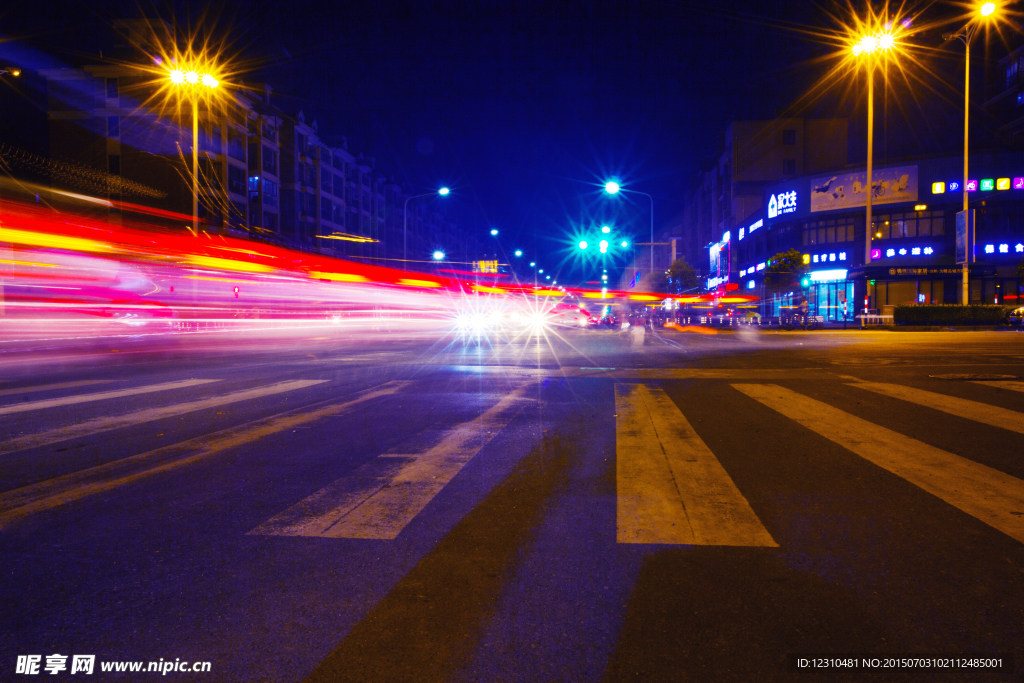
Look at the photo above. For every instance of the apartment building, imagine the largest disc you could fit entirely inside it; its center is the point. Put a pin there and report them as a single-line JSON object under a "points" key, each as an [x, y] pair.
{"points": [[264, 173], [754, 154]]}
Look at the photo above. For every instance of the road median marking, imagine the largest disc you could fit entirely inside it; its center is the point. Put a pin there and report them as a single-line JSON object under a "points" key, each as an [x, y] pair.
{"points": [[104, 424], [19, 503], [670, 486], [101, 396], [994, 497], [379, 499], [961, 407]]}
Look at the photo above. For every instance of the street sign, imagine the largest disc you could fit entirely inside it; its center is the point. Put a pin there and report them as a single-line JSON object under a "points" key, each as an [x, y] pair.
{"points": [[965, 236]]}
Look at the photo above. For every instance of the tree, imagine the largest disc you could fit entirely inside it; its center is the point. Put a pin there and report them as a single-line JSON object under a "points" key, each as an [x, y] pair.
{"points": [[681, 276], [785, 271]]}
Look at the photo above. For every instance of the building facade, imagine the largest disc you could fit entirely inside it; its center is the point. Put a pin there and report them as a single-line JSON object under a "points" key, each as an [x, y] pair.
{"points": [[911, 257], [754, 155]]}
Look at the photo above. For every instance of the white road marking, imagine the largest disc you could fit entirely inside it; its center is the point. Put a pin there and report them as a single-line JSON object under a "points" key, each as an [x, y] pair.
{"points": [[100, 396], [1012, 386], [961, 407], [51, 387], [991, 496], [380, 498], [103, 424], [19, 503], [671, 488]]}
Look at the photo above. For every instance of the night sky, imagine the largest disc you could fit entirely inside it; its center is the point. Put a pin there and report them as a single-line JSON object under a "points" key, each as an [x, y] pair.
{"points": [[523, 108]]}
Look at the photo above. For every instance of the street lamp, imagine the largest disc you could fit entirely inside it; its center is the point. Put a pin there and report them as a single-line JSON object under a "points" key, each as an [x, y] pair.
{"points": [[439, 255], [494, 232], [869, 46], [519, 252], [405, 223], [966, 34], [612, 187], [192, 79]]}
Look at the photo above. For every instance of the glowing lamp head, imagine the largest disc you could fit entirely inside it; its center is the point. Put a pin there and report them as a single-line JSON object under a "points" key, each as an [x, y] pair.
{"points": [[494, 231], [625, 244], [533, 264], [209, 81], [987, 9], [866, 45], [583, 245], [438, 255], [443, 191], [519, 252], [191, 77], [611, 187], [603, 244], [177, 76], [605, 229], [14, 72]]}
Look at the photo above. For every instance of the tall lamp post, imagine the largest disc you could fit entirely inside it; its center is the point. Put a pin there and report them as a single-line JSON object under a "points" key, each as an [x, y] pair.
{"points": [[966, 34], [192, 79], [869, 47], [405, 223], [612, 187]]}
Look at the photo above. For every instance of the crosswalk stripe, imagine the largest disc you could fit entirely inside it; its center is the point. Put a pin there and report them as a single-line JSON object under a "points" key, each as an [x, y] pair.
{"points": [[51, 387], [100, 396], [670, 486], [961, 407], [380, 498], [19, 503], [103, 424], [991, 496], [1012, 386]]}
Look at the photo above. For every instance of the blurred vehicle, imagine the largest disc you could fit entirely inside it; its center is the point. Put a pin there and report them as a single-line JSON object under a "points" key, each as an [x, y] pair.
{"points": [[1017, 317]]}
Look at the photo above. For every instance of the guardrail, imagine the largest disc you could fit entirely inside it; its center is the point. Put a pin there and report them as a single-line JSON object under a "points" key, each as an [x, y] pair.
{"points": [[872, 319]]}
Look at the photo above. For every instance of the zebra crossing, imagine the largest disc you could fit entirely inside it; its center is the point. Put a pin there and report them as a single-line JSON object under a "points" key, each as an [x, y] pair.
{"points": [[671, 488]]}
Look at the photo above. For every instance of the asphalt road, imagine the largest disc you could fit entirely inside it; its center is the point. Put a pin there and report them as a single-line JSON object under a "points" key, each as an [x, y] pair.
{"points": [[313, 505]]}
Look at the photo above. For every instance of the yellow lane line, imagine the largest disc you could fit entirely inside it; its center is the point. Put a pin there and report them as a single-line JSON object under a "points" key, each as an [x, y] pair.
{"points": [[671, 487], [961, 407], [100, 396], [994, 497], [103, 424], [379, 499], [20, 503]]}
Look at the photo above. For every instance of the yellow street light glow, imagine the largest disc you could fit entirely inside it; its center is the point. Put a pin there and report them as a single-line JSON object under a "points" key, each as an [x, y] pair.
{"points": [[192, 77], [988, 8]]}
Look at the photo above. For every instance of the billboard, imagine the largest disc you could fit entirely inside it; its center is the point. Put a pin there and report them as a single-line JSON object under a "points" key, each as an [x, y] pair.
{"points": [[849, 190], [965, 237], [719, 267]]}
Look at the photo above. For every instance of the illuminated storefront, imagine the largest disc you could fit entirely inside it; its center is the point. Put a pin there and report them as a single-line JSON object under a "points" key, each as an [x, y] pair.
{"points": [[912, 251]]}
